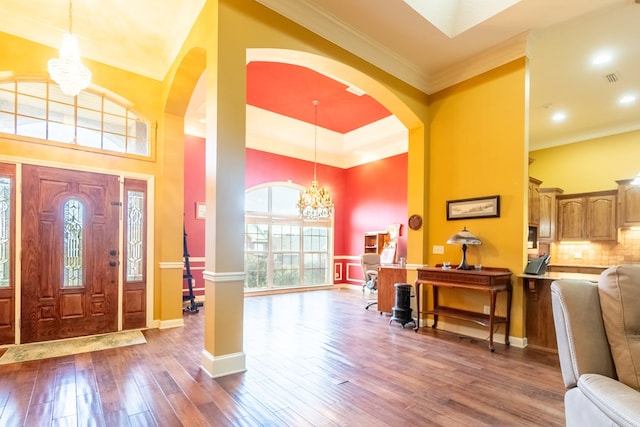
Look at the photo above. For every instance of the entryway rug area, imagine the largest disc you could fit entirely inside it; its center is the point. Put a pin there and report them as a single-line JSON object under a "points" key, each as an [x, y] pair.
{"points": [[44, 350]]}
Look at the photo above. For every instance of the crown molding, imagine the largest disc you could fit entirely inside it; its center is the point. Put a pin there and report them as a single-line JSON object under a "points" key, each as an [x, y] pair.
{"points": [[500, 54], [320, 22]]}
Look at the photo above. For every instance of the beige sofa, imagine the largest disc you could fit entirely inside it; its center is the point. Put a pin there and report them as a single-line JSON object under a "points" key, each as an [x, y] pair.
{"points": [[598, 333]]}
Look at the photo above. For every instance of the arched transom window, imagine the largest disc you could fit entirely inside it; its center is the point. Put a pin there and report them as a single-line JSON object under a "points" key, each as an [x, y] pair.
{"points": [[92, 121]]}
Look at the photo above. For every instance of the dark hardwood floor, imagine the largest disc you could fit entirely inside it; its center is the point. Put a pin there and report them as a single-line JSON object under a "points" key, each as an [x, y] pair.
{"points": [[313, 359]]}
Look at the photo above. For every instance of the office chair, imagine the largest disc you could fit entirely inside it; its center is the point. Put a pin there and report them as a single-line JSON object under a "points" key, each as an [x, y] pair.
{"points": [[370, 263]]}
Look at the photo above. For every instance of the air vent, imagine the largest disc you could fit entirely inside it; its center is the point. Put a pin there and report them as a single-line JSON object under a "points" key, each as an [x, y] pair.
{"points": [[612, 77]]}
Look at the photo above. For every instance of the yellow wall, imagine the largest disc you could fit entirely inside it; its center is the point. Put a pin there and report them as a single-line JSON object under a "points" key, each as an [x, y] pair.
{"points": [[592, 165], [478, 148]]}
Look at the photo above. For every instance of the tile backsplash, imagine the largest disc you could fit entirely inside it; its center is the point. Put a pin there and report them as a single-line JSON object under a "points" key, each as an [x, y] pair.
{"points": [[625, 251]]}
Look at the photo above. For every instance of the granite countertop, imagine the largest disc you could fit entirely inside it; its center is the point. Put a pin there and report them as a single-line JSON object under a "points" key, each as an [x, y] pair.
{"points": [[557, 275]]}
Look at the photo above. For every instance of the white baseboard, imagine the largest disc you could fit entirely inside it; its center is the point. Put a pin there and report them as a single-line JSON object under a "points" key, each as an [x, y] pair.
{"points": [[219, 366], [173, 323], [477, 333]]}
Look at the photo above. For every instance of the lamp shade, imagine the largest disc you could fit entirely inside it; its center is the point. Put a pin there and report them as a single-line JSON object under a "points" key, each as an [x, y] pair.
{"points": [[464, 237]]}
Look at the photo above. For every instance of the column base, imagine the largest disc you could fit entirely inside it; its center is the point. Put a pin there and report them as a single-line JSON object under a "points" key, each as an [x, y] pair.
{"points": [[219, 366]]}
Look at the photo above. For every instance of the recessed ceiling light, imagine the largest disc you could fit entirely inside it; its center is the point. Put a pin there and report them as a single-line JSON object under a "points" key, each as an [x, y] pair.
{"points": [[602, 58], [627, 99], [560, 116]]}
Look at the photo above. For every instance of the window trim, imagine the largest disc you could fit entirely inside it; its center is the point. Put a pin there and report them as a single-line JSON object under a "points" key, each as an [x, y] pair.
{"points": [[104, 96]]}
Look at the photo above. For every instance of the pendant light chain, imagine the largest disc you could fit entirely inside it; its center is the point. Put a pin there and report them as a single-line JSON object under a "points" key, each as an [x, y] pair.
{"points": [[315, 139]]}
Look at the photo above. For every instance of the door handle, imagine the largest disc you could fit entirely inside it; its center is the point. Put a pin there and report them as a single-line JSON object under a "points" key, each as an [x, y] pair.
{"points": [[113, 252], [113, 263]]}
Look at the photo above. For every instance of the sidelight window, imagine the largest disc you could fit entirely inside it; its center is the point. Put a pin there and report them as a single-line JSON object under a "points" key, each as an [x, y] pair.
{"points": [[135, 236], [5, 231], [73, 233]]}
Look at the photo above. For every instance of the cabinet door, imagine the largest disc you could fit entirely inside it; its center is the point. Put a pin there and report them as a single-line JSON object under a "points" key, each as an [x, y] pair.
{"points": [[534, 201], [601, 217], [571, 215], [547, 226], [629, 197]]}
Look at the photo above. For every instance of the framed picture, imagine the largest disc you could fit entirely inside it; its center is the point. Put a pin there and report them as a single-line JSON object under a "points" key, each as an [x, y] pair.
{"points": [[478, 207], [201, 210]]}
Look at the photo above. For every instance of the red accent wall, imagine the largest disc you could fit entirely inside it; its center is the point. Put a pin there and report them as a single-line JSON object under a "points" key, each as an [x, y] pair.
{"points": [[366, 198], [377, 198]]}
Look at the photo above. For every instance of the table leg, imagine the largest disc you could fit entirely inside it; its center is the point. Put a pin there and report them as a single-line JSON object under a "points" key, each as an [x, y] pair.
{"points": [[508, 316], [435, 306], [417, 325], [492, 311]]}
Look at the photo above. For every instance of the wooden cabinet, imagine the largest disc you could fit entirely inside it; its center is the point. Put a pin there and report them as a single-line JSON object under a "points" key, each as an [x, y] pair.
{"points": [[587, 216], [388, 276], [375, 241], [534, 201], [628, 204], [548, 212]]}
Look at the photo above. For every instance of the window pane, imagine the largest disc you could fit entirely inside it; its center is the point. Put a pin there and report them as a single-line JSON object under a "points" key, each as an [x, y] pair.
{"points": [[113, 142], [136, 146], [32, 127], [5, 218], [256, 271], [37, 89], [286, 269], [113, 108], [115, 124], [61, 133], [7, 124], [135, 235], [315, 269], [56, 94], [62, 113], [89, 138], [89, 101], [32, 107], [73, 231], [7, 101], [89, 119], [284, 201], [257, 200]]}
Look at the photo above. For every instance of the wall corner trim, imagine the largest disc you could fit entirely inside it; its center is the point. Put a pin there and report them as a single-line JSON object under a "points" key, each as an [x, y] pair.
{"points": [[173, 323], [226, 364], [214, 277]]}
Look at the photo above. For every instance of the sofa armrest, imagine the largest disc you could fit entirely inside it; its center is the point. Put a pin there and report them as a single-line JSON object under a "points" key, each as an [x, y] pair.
{"points": [[618, 401]]}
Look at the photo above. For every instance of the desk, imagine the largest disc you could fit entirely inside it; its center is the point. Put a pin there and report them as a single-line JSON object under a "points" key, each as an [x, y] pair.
{"points": [[491, 280], [388, 276]]}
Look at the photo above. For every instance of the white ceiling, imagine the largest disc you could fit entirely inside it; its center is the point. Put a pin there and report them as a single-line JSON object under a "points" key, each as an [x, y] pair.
{"points": [[559, 37]]}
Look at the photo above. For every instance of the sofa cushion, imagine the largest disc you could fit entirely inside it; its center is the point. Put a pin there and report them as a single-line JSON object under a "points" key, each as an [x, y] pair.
{"points": [[619, 290]]}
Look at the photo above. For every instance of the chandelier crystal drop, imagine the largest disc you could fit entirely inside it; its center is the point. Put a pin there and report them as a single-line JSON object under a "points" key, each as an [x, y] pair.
{"points": [[67, 70], [315, 202]]}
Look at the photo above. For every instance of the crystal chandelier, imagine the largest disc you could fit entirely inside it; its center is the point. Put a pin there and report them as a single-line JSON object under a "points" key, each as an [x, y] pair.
{"points": [[315, 202], [67, 70]]}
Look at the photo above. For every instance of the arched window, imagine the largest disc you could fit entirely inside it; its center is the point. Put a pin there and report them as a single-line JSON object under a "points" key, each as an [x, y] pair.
{"points": [[91, 121], [281, 249]]}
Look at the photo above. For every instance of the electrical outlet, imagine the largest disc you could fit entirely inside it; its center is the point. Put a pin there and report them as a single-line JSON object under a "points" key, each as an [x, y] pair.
{"points": [[486, 309], [438, 249], [577, 255]]}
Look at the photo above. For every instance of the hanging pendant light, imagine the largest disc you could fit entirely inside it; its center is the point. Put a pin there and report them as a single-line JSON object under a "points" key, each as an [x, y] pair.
{"points": [[67, 70], [315, 202]]}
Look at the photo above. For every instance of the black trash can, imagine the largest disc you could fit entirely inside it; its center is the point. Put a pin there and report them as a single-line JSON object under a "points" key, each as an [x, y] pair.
{"points": [[402, 309]]}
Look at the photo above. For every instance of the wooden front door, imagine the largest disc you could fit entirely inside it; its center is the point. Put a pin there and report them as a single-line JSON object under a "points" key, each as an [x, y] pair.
{"points": [[69, 253]]}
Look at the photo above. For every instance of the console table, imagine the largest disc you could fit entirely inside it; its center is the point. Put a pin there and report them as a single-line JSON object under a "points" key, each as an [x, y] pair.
{"points": [[491, 280]]}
